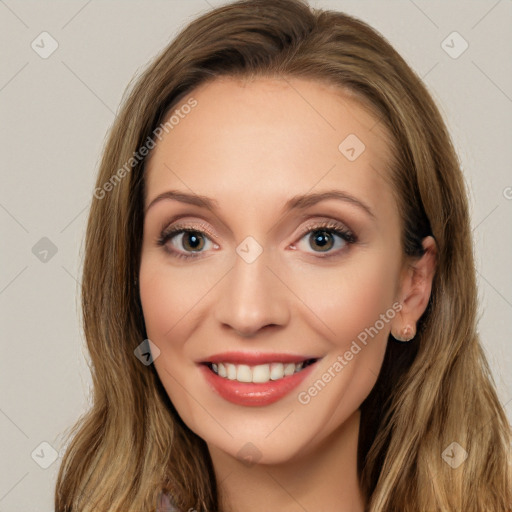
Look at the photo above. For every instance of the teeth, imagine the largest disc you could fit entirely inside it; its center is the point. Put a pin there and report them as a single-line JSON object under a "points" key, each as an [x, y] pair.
{"points": [[261, 373], [258, 374], [289, 369], [276, 371], [243, 373], [222, 370], [231, 370]]}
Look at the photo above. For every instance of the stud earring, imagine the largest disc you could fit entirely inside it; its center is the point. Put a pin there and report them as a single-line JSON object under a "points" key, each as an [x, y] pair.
{"points": [[406, 334]]}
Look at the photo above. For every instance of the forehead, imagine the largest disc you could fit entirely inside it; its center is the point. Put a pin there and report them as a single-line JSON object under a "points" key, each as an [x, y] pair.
{"points": [[266, 140]]}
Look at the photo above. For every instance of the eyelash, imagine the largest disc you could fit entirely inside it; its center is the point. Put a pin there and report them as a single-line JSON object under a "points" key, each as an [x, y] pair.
{"points": [[331, 227]]}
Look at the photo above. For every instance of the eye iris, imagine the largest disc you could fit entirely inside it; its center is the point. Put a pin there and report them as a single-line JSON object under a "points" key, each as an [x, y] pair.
{"points": [[193, 240], [323, 239]]}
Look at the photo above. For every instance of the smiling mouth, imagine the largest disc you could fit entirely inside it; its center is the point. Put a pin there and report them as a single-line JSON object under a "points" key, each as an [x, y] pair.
{"points": [[258, 374]]}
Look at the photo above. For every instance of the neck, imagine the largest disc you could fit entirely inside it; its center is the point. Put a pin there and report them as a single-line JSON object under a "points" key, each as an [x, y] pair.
{"points": [[324, 480]]}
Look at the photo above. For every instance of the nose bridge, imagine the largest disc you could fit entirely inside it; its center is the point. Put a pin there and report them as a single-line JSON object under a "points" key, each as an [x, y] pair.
{"points": [[252, 296]]}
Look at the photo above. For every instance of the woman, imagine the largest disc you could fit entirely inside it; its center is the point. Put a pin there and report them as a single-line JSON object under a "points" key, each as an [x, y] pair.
{"points": [[279, 290]]}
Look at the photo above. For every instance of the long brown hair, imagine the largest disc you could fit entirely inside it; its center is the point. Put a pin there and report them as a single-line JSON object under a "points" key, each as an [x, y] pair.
{"points": [[432, 392]]}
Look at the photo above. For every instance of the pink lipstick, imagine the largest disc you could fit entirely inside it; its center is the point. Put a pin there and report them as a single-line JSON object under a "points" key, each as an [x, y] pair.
{"points": [[255, 379]]}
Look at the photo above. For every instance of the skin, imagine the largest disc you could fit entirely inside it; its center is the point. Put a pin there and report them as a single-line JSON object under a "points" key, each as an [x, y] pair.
{"points": [[251, 146]]}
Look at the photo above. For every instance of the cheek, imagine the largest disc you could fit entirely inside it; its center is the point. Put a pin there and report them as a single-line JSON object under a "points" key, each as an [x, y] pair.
{"points": [[160, 300], [174, 303], [345, 300], [171, 298], [169, 302], [160, 304], [355, 306], [166, 304]]}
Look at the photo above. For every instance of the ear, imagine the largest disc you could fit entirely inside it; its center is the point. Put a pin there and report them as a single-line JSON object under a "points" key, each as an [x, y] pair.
{"points": [[414, 291]]}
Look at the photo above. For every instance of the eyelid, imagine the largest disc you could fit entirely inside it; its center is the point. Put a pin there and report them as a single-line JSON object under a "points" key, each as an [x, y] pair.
{"points": [[184, 226], [327, 224], [310, 224]]}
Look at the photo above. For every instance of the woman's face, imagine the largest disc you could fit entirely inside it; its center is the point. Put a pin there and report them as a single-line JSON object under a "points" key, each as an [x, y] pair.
{"points": [[272, 274]]}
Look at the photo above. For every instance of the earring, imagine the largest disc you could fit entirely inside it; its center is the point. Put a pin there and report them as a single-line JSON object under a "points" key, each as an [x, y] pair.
{"points": [[407, 333]]}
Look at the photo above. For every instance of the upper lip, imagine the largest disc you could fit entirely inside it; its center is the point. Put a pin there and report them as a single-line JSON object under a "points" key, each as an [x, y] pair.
{"points": [[255, 358]]}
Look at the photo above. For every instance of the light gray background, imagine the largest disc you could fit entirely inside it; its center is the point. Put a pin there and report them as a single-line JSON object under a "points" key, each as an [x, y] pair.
{"points": [[55, 113]]}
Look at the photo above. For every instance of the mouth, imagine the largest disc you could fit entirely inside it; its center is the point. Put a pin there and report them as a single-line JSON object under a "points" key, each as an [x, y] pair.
{"points": [[255, 379], [258, 374]]}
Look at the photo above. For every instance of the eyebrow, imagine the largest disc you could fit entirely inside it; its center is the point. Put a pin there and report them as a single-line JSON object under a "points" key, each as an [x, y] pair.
{"points": [[298, 202]]}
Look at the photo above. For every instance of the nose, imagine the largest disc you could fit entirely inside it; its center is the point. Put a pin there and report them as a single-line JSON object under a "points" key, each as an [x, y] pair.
{"points": [[252, 298]]}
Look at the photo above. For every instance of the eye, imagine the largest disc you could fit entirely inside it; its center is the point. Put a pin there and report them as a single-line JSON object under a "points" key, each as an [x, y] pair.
{"points": [[329, 237], [182, 241], [185, 242]]}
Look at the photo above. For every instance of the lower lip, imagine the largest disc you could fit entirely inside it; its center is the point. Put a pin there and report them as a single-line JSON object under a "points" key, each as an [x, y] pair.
{"points": [[254, 394]]}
